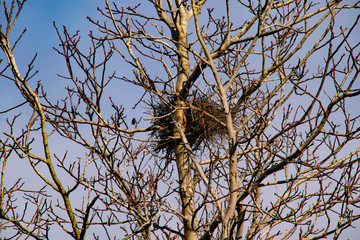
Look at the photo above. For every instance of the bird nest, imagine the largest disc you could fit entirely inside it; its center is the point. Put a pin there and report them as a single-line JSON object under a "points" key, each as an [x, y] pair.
{"points": [[205, 122]]}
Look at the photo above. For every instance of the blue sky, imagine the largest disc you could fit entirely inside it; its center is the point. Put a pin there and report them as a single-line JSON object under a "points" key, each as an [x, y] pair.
{"points": [[38, 16]]}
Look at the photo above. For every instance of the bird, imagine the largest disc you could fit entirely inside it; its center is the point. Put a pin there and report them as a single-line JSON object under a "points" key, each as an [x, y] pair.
{"points": [[133, 121]]}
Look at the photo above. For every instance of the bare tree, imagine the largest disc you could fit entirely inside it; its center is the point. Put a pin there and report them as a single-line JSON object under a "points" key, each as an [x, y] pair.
{"points": [[249, 129]]}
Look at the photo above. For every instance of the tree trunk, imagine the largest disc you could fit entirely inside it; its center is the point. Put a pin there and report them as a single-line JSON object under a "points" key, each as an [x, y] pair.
{"points": [[186, 182]]}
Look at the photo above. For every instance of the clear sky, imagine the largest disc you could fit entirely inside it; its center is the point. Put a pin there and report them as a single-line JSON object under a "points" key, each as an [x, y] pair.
{"points": [[38, 17]]}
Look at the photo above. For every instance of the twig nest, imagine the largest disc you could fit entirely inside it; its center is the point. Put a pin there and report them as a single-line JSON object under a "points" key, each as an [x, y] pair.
{"points": [[205, 122]]}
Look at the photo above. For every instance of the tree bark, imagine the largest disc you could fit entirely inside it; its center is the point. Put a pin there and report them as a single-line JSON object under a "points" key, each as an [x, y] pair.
{"points": [[186, 181]]}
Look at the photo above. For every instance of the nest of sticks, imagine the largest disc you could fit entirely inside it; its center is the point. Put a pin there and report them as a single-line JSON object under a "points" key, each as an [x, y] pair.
{"points": [[205, 123]]}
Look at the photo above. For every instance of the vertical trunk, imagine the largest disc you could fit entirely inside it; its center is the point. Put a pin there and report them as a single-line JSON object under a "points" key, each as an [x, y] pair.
{"points": [[147, 233], [240, 222], [233, 171], [186, 182]]}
